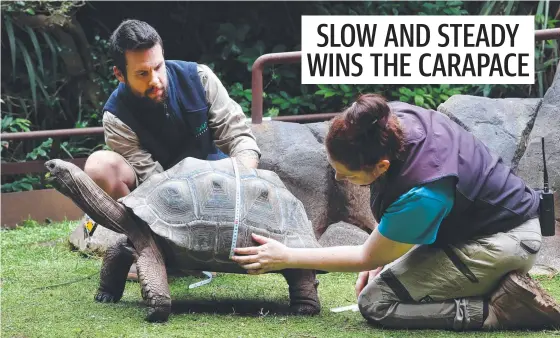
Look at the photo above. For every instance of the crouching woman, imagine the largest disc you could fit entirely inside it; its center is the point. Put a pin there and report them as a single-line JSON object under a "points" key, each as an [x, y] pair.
{"points": [[457, 234]]}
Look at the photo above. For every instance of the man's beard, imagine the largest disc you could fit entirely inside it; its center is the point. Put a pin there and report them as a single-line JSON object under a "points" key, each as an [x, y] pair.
{"points": [[163, 95], [145, 99]]}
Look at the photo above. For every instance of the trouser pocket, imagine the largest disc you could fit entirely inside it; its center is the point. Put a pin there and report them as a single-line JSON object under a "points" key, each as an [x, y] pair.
{"points": [[459, 264]]}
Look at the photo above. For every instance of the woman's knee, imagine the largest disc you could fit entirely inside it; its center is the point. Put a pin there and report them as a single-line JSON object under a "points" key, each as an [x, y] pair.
{"points": [[372, 302]]}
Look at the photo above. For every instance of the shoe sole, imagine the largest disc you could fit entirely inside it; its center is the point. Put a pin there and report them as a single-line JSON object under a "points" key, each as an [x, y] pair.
{"points": [[133, 277], [535, 296]]}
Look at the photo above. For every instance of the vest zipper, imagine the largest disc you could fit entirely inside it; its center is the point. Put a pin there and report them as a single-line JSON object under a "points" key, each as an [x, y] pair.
{"points": [[165, 109], [170, 116]]}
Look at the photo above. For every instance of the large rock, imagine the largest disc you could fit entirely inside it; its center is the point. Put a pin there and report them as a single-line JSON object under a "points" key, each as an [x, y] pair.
{"points": [[530, 168], [348, 202], [502, 124], [547, 125], [343, 234], [291, 151], [297, 154]]}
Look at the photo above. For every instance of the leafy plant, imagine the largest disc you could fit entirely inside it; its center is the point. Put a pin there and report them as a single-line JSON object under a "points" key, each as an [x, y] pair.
{"points": [[40, 151], [43, 90], [428, 96], [11, 124], [23, 184], [546, 52], [289, 104], [242, 96]]}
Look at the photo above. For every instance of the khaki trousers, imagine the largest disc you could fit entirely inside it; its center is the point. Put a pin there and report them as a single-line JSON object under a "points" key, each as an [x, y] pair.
{"points": [[444, 288]]}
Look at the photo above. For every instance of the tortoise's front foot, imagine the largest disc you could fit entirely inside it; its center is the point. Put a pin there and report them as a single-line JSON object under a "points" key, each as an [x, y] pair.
{"points": [[154, 285], [159, 309], [106, 297], [305, 309], [304, 299]]}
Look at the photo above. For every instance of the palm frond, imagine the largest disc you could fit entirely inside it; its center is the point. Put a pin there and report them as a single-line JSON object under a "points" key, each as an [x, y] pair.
{"points": [[487, 8], [24, 107], [54, 52], [37, 48], [30, 72], [12, 39]]}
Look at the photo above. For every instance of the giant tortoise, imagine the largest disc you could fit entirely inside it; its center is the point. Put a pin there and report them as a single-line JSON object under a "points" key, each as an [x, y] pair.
{"points": [[185, 218]]}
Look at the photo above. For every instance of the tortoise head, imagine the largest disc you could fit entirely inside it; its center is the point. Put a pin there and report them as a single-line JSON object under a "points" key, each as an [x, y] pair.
{"points": [[61, 172], [73, 182]]}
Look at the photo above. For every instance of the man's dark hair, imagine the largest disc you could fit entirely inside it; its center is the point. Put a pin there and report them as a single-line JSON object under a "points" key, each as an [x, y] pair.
{"points": [[131, 35]]}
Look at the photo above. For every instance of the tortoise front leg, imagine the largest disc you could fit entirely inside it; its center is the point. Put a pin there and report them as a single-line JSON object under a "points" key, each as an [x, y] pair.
{"points": [[76, 184], [302, 284], [152, 276], [116, 264]]}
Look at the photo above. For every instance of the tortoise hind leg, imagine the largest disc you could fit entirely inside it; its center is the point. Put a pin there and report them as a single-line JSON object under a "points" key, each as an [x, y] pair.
{"points": [[304, 299], [116, 264]]}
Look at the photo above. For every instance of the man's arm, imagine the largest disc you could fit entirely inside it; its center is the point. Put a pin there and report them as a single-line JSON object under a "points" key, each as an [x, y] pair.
{"points": [[227, 121], [122, 140]]}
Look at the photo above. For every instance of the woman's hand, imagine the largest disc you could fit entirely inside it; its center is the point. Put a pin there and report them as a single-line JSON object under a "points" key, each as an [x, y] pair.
{"points": [[364, 278], [270, 256]]}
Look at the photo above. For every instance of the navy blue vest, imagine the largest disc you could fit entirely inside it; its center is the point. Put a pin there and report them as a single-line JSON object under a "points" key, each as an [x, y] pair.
{"points": [[489, 198], [175, 130]]}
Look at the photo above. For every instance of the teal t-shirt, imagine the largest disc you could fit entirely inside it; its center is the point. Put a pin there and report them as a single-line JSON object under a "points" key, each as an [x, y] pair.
{"points": [[415, 217]]}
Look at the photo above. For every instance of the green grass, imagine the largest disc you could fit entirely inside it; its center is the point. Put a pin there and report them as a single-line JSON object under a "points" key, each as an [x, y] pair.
{"points": [[35, 257]]}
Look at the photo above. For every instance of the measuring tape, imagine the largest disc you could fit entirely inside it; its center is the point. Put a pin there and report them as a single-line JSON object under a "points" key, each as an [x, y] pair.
{"points": [[201, 283], [237, 207], [235, 224]]}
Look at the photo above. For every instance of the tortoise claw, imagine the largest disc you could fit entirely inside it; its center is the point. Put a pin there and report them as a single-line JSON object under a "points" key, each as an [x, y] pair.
{"points": [[105, 297], [305, 309], [159, 313]]}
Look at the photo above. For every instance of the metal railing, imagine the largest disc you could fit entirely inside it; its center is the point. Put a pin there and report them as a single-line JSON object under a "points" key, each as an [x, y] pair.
{"points": [[256, 109], [295, 57]]}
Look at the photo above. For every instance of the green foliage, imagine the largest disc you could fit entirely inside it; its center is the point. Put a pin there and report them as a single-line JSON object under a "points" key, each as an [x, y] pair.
{"points": [[243, 96], [546, 52], [9, 124], [30, 77], [343, 91], [40, 93], [28, 182], [41, 7], [428, 96], [283, 93], [14, 125], [393, 8]]}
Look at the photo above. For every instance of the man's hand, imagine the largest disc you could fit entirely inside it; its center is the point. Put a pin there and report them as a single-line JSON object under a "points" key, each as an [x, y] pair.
{"points": [[364, 278], [249, 158]]}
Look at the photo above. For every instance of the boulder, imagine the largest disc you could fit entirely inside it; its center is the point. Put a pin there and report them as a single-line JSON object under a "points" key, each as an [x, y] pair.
{"points": [[342, 234], [502, 124], [297, 154], [530, 168], [348, 202], [291, 151], [547, 125]]}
